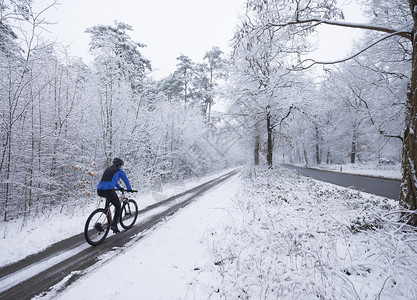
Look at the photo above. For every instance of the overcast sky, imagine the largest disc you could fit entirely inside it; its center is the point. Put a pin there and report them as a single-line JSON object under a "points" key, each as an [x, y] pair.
{"points": [[168, 27], [171, 27]]}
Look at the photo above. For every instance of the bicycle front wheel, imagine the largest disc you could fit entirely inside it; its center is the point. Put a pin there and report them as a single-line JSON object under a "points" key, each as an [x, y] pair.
{"points": [[97, 227], [129, 213]]}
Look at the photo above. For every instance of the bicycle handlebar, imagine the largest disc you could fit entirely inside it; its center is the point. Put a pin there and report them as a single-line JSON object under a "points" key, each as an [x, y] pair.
{"points": [[123, 190]]}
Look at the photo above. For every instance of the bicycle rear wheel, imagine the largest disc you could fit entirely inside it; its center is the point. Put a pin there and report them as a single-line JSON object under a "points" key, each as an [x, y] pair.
{"points": [[97, 227], [129, 213]]}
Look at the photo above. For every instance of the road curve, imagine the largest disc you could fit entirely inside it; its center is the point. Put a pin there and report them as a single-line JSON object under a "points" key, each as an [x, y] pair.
{"points": [[384, 187], [69, 269]]}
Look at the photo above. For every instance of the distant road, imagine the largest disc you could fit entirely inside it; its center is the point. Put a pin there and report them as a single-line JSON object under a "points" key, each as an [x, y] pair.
{"points": [[389, 188]]}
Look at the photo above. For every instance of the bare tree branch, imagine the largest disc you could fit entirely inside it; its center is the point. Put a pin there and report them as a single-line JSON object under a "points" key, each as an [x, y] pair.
{"points": [[401, 33], [286, 116], [313, 62]]}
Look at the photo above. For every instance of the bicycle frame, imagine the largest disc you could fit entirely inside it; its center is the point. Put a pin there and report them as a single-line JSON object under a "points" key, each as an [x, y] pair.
{"points": [[108, 205]]}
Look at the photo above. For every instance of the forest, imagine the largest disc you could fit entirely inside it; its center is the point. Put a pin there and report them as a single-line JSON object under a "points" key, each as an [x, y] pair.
{"points": [[63, 120]]}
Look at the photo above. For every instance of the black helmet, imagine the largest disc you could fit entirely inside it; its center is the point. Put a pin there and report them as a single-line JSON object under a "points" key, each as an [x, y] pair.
{"points": [[118, 162]]}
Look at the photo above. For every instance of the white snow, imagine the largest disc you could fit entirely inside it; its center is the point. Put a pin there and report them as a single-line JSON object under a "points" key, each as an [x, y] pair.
{"points": [[263, 234], [163, 264], [372, 169], [293, 237], [18, 241]]}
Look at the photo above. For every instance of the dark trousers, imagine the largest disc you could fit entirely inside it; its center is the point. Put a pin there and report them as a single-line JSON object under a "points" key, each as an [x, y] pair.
{"points": [[112, 197]]}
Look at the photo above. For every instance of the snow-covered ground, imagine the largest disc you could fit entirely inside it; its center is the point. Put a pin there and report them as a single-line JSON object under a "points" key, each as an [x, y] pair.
{"points": [[371, 169], [293, 237], [167, 261], [269, 234], [19, 240]]}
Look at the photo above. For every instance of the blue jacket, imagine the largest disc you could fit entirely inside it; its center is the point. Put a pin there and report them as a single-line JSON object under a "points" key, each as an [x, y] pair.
{"points": [[111, 177]]}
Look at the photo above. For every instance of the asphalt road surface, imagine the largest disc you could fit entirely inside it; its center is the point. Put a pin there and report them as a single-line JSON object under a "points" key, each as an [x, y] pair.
{"points": [[389, 188], [69, 259]]}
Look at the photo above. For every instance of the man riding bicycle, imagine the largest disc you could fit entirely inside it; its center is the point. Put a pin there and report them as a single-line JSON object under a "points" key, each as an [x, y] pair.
{"points": [[108, 183]]}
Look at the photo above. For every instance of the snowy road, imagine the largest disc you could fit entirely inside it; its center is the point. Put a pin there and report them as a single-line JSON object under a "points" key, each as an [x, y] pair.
{"points": [[67, 260], [389, 188]]}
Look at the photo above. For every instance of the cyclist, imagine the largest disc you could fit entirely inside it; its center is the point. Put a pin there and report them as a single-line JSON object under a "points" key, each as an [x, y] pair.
{"points": [[108, 183]]}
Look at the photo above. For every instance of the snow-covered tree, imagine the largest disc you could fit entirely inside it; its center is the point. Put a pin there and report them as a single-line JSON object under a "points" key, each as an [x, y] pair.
{"points": [[215, 65], [19, 48], [261, 85], [184, 73], [390, 19], [120, 69]]}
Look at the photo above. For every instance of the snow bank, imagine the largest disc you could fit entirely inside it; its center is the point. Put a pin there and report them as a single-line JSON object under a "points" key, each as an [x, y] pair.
{"points": [[296, 238], [371, 169]]}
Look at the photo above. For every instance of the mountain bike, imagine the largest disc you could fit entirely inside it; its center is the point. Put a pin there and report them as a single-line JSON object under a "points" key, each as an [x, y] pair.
{"points": [[98, 223]]}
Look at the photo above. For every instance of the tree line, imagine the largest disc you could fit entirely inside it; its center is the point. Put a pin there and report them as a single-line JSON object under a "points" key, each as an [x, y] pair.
{"points": [[364, 109], [63, 121]]}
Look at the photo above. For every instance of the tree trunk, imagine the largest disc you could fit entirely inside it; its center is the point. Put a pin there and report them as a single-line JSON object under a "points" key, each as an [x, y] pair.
{"points": [[408, 196], [354, 149], [305, 155], [211, 96], [32, 154], [256, 150], [8, 168], [8, 151], [353, 153], [270, 144], [257, 143], [318, 160], [185, 88]]}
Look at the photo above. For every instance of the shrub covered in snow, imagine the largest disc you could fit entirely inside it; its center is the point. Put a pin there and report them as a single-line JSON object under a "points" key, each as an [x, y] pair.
{"points": [[292, 237]]}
